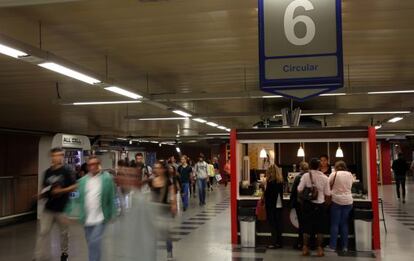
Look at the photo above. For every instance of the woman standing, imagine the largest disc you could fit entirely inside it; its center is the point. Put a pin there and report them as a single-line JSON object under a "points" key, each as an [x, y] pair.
{"points": [[274, 203], [341, 184], [325, 167]]}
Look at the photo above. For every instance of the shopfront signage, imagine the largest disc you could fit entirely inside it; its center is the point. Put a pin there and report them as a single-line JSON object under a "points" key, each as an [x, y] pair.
{"points": [[71, 141], [300, 44]]}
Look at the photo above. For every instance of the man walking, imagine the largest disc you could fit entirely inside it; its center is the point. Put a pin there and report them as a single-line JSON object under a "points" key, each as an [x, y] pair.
{"points": [[58, 182], [400, 168], [97, 205], [201, 172]]}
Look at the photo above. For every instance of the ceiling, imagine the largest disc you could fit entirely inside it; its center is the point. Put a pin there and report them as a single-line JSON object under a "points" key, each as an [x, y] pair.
{"points": [[200, 55]]}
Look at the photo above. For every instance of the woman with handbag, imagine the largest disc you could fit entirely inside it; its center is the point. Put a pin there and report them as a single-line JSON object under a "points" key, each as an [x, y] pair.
{"points": [[342, 202], [273, 197], [315, 190]]}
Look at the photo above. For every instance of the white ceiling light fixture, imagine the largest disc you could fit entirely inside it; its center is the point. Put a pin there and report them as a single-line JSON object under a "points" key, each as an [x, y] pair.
{"points": [[178, 150], [378, 112], [339, 152], [263, 154], [182, 113], [163, 119], [199, 120], [317, 114], [212, 124], [221, 128], [301, 151], [69, 72], [9, 51], [104, 103], [123, 92], [333, 94], [271, 96], [392, 92], [395, 119]]}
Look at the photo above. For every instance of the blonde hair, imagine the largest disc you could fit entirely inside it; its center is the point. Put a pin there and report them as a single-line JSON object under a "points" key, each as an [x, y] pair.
{"points": [[274, 173]]}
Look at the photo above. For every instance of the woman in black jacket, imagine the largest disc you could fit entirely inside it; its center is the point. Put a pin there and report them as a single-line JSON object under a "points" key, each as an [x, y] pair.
{"points": [[274, 203]]}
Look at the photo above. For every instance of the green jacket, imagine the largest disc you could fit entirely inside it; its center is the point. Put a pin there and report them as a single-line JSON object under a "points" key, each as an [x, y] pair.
{"points": [[107, 197]]}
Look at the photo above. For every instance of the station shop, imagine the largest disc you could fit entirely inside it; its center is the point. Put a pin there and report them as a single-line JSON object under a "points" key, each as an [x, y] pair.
{"points": [[253, 149]]}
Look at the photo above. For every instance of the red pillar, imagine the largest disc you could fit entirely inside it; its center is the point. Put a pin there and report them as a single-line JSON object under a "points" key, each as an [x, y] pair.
{"points": [[386, 163], [372, 142], [233, 186]]}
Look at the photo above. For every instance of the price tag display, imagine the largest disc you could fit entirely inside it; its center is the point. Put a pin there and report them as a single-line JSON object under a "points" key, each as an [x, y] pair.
{"points": [[300, 47]]}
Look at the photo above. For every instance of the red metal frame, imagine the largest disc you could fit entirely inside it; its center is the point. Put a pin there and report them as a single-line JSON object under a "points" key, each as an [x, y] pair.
{"points": [[233, 186], [372, 141]]}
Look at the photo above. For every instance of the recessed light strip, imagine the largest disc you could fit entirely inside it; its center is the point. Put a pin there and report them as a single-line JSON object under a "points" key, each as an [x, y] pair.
{"points": [[69, 72], [182, 113], [392, 92], [199, 120], [395, 119], [163, 119], [333, 94]]}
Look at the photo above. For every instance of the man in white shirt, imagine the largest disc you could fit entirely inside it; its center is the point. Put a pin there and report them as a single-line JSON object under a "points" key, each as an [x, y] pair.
{"points": [[201, 172], [96, 193], [314, 209]]}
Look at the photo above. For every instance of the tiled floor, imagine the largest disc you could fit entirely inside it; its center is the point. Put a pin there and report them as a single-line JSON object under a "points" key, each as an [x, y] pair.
{"points": [[203, 233]]}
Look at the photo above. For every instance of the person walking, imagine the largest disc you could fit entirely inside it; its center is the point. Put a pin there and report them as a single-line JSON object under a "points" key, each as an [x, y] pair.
{"points": [[57, 183], [145, 169], [340, 183], [274, 203], [163, 191], [97, 205], [185, 171], [400, 168], [296, 202], [211, 175], [201, 173], [315, 190], [227, 172]]}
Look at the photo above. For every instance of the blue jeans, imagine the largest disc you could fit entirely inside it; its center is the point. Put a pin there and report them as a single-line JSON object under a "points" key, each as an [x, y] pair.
{"points": [[94, 235], [339, 223], [201, 184], [186, 192]]}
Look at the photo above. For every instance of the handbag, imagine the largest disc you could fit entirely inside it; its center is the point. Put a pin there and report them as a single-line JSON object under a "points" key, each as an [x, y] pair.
{"points": [[310, 193], [261, 210], [218, 177]]}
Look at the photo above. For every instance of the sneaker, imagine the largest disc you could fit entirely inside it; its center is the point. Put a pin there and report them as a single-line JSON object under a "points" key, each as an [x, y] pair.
{"points": [[64, 257], [329, 249]]}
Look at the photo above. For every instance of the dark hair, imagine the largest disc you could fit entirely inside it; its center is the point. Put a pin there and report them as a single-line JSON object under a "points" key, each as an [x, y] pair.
{"points": [[84, 167], [56, 150], [314, 164], [139, 154], [340, 165], [324, 156]]}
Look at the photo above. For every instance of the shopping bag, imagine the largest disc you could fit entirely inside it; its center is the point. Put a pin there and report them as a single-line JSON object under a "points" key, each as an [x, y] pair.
{"points": [[260, 210], [218, 177]]}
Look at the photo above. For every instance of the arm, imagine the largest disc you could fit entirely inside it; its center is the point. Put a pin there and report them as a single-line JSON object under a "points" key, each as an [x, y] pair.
{"points": [[173, 199], [59, 190]]}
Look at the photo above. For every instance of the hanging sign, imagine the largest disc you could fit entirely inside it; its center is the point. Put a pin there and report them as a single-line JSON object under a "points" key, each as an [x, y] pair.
{"points": [[300, 44]]}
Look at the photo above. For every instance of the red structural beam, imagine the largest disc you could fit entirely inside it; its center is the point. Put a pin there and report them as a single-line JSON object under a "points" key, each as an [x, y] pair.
{"points": [[233, 186], [372, 142]]}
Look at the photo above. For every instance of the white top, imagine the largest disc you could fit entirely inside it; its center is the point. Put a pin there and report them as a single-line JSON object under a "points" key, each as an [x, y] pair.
{"points": [[320, 181], [201, 170], [342, 188], [93, 207]]}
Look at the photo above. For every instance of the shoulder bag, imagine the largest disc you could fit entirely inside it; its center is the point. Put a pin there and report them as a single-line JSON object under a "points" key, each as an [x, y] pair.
{"points": [[310, 193]]}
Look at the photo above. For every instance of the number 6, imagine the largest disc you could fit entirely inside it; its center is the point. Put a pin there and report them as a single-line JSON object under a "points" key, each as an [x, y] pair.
{"points": [[290, 23]]}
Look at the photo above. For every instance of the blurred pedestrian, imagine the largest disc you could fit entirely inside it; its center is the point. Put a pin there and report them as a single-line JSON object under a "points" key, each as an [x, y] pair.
{"points": [[97, 204], [185, 171], [201, 172], [227, 172], [211, 175], [400, 168]]}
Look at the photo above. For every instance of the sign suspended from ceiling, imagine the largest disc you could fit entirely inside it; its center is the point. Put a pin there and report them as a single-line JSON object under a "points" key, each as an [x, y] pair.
{"points": [[300, 44]]}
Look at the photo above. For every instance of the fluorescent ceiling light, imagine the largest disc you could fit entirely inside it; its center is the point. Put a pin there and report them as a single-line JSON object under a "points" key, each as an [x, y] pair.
{"points": [[221, 127], [69, 72], [378, 112], [163, 119], [228, 129], [104, 102], [199, 120], [6, 50], [212, 124], [317, 114], [124, 139], [339, 152], [333, 94], [378, 126], [392, 92], [182, 113], [123, 92], [263, 154], [271, 96], [395, 119], [218, 134], [178, 149], [301, 152]]}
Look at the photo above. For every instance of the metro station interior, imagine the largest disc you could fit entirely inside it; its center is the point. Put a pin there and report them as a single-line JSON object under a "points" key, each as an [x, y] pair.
{"points": [[242, 87]]}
